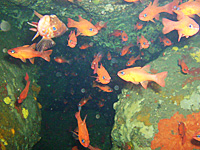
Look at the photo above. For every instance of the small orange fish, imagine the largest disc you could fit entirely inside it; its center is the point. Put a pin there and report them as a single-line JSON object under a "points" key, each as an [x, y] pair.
{"points": [[93, 148], [100, 104], [135, 1], [166, 41], [104, 88], [116, 33], [152, 11], [124, 36], [125, 49], [172, 6], [83, 134], [83, 102], [138, 75], [29, 52], [103, 76], [24, 93], [85, 46], [109, 57], [132, 60], [72, 39], [60, 59], [197, 136], [183, 65], [49, 26], [84, 27], [101, 24], [143, 42], [138, 26], [182, 131], [185, 26]]}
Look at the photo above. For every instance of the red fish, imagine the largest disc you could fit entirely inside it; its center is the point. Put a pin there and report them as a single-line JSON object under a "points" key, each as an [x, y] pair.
{"points": [[152, 11], [85, 46], [104, 88], [83, 134], [186, 26], [182, 131], [138, 75], [143, 42], [172, 6], [60, 59], [132, 60], [124, 36], [84, 27], [101, 24], [116, 33], [109, 57], [24, 93], [135, 1], [28, 52], [138, 26], [197, 136], [183, 65], [166, 41], [49, 26], [125, 49], [83, 102], [103, 76], [72, 39], [100, 104]]}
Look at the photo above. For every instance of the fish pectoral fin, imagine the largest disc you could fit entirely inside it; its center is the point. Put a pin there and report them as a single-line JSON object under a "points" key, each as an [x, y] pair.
{"points": [[23, 59], [32, 60], [144, 84]]}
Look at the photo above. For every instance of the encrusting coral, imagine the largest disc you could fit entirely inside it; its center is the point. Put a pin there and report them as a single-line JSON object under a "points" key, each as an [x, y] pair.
{"points": [[169, 137]]}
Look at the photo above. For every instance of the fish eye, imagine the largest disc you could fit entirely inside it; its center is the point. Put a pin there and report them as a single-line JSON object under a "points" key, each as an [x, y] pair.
{"points": [[104, 77], [128, 63], [54, 28], [167, 41], [190, 26], [175, 7], [145, 15], [144, 43], [91, 29], [122, 73], [110, 89], [83, 141], [178, 8], [198, 136], [70, 41], [12, 51], [124, 36]]}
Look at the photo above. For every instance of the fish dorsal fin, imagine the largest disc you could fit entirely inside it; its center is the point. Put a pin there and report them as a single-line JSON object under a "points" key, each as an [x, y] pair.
{"points": [[149, 4], [155, 3], [146, 68], [32, 60], [137, 67], [25, 46], [33, 46], [80, 18], [37, 14]]}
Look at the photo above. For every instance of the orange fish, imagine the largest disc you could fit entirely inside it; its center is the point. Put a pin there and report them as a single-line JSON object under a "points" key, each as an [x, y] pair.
{"points": [[49, 26], [125, 49], [124, 36], [138, 26], [109, 57], [29, 52], [132, 60], [93, 148], [75, 148], [116, 33], [84, 27], [24, 93], [94, 64], [182, 131], [138, 75], [60, 59], [72, 39], [166, 41], [85, 46], [172, 6], [100, 104], [104, 88], [183, 65], [101, 24], [197, 136], [83, 102], [190, 8], [103, 75], [185, 27], [83, 134], [144, 43], [135, 1], [152, 11]]}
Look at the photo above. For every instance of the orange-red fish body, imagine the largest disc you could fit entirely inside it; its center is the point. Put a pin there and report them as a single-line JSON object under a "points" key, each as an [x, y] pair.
{"points": [[125, 49], [109, 57], [185, 26], [61, 60], [183, 65], [138, 26], [93, 148], [116, 33], [197, 136], [134, 1], [49, 26], [143, 42], [101, 24], [24, 93], [182, 131], [72, 39], [104, 88], [29, 52], [172, 6], [83, 134], [138, 75], [75, 148], [84, 101], [85, 46], [124, 36], [97, 59], [132, 60], [84, 27], [103, 76], [166, 41]]}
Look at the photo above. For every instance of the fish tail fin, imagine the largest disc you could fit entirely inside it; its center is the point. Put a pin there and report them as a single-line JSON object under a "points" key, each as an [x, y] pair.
{"points": [[71, 23], [44, 44], [168, 25], [46, 55], [26, 77], [160, 78]]}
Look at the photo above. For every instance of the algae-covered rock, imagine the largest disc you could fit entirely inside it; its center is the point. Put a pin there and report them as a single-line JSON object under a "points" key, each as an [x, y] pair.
{"points": [[139, 110]]}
